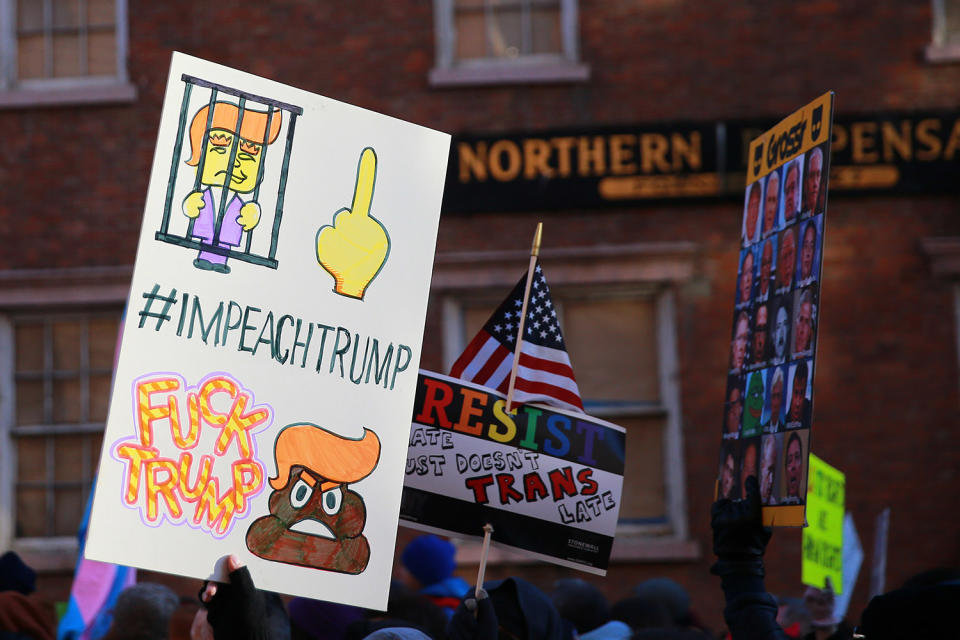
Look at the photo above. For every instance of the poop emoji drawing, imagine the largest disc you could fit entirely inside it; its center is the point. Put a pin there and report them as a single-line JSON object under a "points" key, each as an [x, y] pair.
{"points": [[315, 519]]}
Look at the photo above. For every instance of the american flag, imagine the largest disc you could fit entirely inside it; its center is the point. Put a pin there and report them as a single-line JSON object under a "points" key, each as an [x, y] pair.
{"points": [[544, 373]]}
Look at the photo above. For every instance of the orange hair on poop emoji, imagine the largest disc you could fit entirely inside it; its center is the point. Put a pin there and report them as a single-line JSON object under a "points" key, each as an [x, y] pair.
{"points": [[335, 458]]}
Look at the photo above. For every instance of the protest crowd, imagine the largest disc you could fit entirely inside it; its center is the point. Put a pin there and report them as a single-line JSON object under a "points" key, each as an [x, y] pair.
{"points": [[431, 603]]}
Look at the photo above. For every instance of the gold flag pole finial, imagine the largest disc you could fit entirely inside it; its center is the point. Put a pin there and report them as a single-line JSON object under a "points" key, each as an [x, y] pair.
{"points": [[534, 254]]}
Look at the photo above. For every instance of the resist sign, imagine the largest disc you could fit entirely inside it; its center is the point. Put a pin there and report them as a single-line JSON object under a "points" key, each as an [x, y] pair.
{"points": [[548, 480]]}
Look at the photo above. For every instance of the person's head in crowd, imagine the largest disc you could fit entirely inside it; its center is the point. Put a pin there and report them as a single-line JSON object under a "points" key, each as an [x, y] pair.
{"points": [[734, 410], [812, 178], [671, 634], [793, 465], [22, 613], [933, 577], [803, 329], [781, 328], [760, 334], [429, 559], [278, 622], [642, 613], [524, 612], [791, 192], [748, 465], [808, 248], [924, 607], [786, 258], [319, 620], [771, 202], [143, 612], [580, 603], [753, 213], [669, 593], [741, 338], [917, 613], [610, 630], [728, 475], [793, 617], [746, 276], [766, 266], [15, 575], [398, 633], [407, 608], [798, 394], [821, 603], [768, 466]]}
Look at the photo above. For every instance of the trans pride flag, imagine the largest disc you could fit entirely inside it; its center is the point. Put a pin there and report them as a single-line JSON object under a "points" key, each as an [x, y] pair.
{"points": [[96, 586]]}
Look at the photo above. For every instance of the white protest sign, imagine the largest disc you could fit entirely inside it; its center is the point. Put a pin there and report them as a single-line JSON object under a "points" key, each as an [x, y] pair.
{"points": [[270, 351], [852, 560], [548, 480], [878, 571]]}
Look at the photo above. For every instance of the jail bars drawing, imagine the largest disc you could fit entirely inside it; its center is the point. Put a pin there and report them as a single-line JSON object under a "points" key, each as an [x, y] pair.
{"points": [[234, 131]]}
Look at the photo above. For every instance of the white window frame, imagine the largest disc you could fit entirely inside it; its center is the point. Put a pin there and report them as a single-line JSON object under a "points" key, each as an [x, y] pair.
{"points": [[943, 254], [16, 93], [647, 270], [940, 48], [528, 69], [39, 292]]}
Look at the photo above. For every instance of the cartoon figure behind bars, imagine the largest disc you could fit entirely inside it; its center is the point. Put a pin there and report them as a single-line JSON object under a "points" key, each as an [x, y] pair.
{"points": [[228, 165]]}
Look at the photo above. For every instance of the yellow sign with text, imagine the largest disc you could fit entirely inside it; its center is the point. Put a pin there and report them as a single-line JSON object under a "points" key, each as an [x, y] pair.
{"points": [[802, 130], [823, 538]]}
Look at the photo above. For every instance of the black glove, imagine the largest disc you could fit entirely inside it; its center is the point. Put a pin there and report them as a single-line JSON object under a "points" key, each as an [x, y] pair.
{"points": [[237, 611], [474, 619], [739, 537]]}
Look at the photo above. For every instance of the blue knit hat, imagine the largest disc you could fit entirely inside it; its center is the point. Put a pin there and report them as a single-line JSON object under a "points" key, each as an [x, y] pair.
{"points": [[430, 559]]}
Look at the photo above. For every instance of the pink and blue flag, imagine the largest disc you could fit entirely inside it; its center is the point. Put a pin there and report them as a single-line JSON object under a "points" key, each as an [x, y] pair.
{"points": [[96, 586]]}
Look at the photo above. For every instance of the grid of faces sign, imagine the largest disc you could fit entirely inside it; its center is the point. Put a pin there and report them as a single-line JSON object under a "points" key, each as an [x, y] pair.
{"points": [[769, 395]]}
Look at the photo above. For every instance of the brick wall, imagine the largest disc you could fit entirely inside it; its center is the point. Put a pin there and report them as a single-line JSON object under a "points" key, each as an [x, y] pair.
{"points": [[74, 181]]}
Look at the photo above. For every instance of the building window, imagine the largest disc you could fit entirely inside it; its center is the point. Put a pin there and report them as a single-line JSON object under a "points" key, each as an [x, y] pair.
{"points": [[506, 41], [619, 381], [63, 51], [616, 306], [945, 40], [58, 383]]}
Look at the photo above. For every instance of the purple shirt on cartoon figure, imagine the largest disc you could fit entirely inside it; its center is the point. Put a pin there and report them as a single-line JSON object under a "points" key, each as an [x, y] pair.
{"points": [[206, 222]]}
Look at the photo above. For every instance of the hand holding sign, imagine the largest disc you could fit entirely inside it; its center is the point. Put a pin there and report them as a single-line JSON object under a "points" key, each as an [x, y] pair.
{"points": [[235, 609], [354, 249], [739, 537]]}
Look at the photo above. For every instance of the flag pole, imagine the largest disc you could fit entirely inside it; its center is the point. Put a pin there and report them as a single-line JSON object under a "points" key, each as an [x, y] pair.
{"points": [[534, 253], [487, 530]]}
